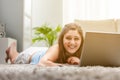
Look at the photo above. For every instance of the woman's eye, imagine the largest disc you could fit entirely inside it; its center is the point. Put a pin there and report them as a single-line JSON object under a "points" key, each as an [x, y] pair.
{"points": [[76, 38], [68, 38]]}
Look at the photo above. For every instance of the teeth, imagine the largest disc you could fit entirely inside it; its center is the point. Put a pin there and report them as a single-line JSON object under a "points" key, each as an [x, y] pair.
{"points": [[72, 47]]}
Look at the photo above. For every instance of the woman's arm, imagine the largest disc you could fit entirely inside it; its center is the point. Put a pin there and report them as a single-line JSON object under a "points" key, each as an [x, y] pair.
{"points": [[50, 57]]}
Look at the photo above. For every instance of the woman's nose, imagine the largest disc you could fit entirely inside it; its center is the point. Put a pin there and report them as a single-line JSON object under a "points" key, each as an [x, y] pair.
{"points": [[72, 41]]}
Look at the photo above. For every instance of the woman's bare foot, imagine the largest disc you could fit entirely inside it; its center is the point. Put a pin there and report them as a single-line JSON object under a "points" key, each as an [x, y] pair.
{"points": [[11, 53], [7, 56]]}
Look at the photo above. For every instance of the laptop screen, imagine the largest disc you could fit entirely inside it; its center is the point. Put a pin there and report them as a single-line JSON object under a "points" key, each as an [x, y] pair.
{"points": [[101, 49]]}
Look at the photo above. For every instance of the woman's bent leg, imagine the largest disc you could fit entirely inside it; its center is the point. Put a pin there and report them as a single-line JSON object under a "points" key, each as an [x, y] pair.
{"points": [[11, 53]]}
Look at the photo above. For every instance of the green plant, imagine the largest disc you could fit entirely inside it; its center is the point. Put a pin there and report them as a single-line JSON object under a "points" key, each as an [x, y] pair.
{"points": [[46, 33]]}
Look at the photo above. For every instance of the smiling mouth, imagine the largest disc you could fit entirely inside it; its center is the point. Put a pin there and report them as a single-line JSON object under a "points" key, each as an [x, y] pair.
{"points": [[72, 47]]}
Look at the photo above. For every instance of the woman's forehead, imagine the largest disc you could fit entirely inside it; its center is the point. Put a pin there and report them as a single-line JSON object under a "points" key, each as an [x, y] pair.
{"points": [[72, 32]]}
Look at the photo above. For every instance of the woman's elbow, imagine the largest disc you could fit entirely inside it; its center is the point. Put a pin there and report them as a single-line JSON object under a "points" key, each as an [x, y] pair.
{"points": [[41, 62]]}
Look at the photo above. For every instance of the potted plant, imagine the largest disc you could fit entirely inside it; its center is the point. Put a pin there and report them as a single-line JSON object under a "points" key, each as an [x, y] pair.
{"points": [[46, 33]]}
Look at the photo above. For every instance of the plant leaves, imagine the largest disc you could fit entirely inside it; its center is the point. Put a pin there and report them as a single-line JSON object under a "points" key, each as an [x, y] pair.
{"points": [[46, 33]]}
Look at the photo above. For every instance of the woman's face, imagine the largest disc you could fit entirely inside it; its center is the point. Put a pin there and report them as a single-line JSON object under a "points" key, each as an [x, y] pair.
{"points": [[72, 41]]}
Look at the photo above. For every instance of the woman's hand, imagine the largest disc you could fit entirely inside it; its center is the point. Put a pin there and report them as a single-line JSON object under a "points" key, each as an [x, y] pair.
{"points": [[73, 60]]}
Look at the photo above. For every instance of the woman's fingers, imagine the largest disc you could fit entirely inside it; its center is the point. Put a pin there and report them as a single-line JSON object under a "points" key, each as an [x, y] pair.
{"points": [[73, 60], [69, 60]]}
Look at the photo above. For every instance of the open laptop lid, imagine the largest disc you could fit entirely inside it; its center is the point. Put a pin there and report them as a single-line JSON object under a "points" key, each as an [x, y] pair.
{"points": [[101, 49]]}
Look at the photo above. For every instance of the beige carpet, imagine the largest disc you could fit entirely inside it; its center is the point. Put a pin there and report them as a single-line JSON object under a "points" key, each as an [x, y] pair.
{"points": [[33, 72]]}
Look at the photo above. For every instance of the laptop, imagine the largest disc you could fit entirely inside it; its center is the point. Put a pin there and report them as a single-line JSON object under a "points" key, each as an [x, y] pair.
{"points": [[101, 49]]}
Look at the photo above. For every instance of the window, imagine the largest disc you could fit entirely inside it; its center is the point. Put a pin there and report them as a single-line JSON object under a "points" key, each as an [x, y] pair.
{"points": [[27, 24], [90, 9]]}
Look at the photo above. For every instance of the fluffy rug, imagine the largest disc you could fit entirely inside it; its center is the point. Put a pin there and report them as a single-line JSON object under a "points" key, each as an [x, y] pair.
{"points": [[33, 72]]}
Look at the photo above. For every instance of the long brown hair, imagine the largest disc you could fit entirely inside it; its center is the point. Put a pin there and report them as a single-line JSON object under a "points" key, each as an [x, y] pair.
{"points": [[62, 52]]}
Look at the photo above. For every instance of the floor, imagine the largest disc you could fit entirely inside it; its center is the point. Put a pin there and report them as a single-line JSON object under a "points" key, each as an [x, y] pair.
{"points": [[33, 72]]}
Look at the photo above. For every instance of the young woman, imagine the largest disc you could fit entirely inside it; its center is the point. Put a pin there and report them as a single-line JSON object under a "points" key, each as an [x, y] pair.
{"points": [[68, 50]]}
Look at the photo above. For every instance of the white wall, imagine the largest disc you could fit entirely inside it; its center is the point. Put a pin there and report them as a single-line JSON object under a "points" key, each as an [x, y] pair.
{"points": [[11, 13], [46, 11]]}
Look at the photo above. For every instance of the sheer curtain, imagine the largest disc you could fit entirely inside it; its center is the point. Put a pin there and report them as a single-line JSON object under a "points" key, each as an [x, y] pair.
{"points": [[90, 9], [27, 40]]}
